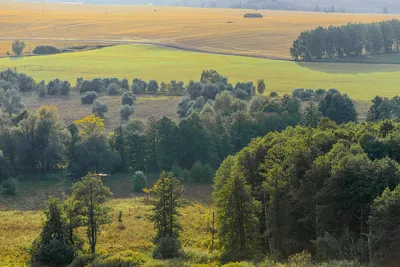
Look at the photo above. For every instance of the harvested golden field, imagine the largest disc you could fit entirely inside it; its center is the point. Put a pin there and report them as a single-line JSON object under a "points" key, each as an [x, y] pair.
{"points": [[189, 28]]}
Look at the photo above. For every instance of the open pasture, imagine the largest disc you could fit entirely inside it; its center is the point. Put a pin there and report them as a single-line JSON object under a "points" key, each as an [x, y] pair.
{"points": [[361, 81], [212, 30]]}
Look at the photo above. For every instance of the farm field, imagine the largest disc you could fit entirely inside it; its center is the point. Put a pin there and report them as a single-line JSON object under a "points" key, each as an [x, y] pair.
{"points": [[21, 219], [212, 30], [361, 81]]}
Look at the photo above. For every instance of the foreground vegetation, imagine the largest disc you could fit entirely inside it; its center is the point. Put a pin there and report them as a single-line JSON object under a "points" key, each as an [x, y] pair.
{"points": [[347, 171], [360, 81]]}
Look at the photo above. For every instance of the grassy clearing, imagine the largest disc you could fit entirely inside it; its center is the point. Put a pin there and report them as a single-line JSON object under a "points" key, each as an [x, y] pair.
{"points": [[360, 81], [70, 107], [199, 28], [21, 219]]}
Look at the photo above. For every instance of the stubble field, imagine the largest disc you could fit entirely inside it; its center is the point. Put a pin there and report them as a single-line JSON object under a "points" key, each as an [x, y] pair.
{"points": [[212, 30]]}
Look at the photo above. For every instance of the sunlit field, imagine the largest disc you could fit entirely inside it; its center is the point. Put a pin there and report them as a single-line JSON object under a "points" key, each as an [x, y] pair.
{"points": [[213, 30], [360, 81]]}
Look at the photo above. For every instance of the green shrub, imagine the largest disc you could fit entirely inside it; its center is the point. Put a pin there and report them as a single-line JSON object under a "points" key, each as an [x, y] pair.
{"points": [[89, 98], [83, 261], [200, 256], [152, 86], [113, 89], [128, 99], [123, 259], [273, 94], [99, 108], [167, 248], [238, 264], [169, 263], [340, 264], [56, 252], [45, 50], [65, 88], [126, 111], [11, 186], [139, 181]]}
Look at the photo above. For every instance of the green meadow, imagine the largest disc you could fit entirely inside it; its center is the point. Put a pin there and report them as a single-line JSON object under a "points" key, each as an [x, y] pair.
{"points": [[362, 81]]}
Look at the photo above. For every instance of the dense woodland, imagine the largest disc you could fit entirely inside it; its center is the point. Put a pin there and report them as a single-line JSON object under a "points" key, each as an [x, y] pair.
{"points": [[349, 40], [291, 173]]}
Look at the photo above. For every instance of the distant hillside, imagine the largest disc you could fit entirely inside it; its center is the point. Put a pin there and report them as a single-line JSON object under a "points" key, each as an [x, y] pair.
{"points": [[348, 6]]}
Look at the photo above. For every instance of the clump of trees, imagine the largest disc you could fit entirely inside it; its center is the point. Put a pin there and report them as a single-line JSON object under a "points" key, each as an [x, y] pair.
{"points": [[46, 50], [58, 243], [89, 98], [330, 190], [348, 40], [18, 47], [99, 108]]}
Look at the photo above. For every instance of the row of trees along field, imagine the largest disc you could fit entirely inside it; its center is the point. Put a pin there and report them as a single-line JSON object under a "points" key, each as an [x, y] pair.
{"points": [[348, 40]]}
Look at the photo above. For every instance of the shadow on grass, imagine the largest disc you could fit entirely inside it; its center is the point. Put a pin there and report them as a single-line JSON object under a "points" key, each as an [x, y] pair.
{"points": [[349, 68]]}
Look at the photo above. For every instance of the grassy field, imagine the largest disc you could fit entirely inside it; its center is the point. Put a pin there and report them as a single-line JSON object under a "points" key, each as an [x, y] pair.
{"points": [[192, 28], [70, 108], [21, 218], [360, 81]]}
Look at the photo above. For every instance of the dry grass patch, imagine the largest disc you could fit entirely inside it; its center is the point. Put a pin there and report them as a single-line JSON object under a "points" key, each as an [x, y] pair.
{"points": [[70, 107], [21, 219]]}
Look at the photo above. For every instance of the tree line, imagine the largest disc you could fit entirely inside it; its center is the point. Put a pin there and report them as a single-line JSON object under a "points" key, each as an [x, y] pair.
{"points": [[349, 40]]}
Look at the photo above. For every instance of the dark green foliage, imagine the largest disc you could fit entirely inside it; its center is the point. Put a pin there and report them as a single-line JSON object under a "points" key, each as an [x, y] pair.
{"points": [[200, 173], [311, 115], [167, 248], [126, 112], [347, 40], [261, 87], [10, 186], [139, 181], [113, 89], [128, 99], [83, 260], [99, 108], [89, 98], [46, 50], [212, 77], [95, 85], [315, 188], [152, 86], [53, 87], [18, 47], [42, 141], [20, 81], [384, 227], [165, 216], [237, 222], [89, 197], [138, 86], [93, 153], [303, 94], [57, 244], [337, 107], [11, 101], [65, 88]]}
